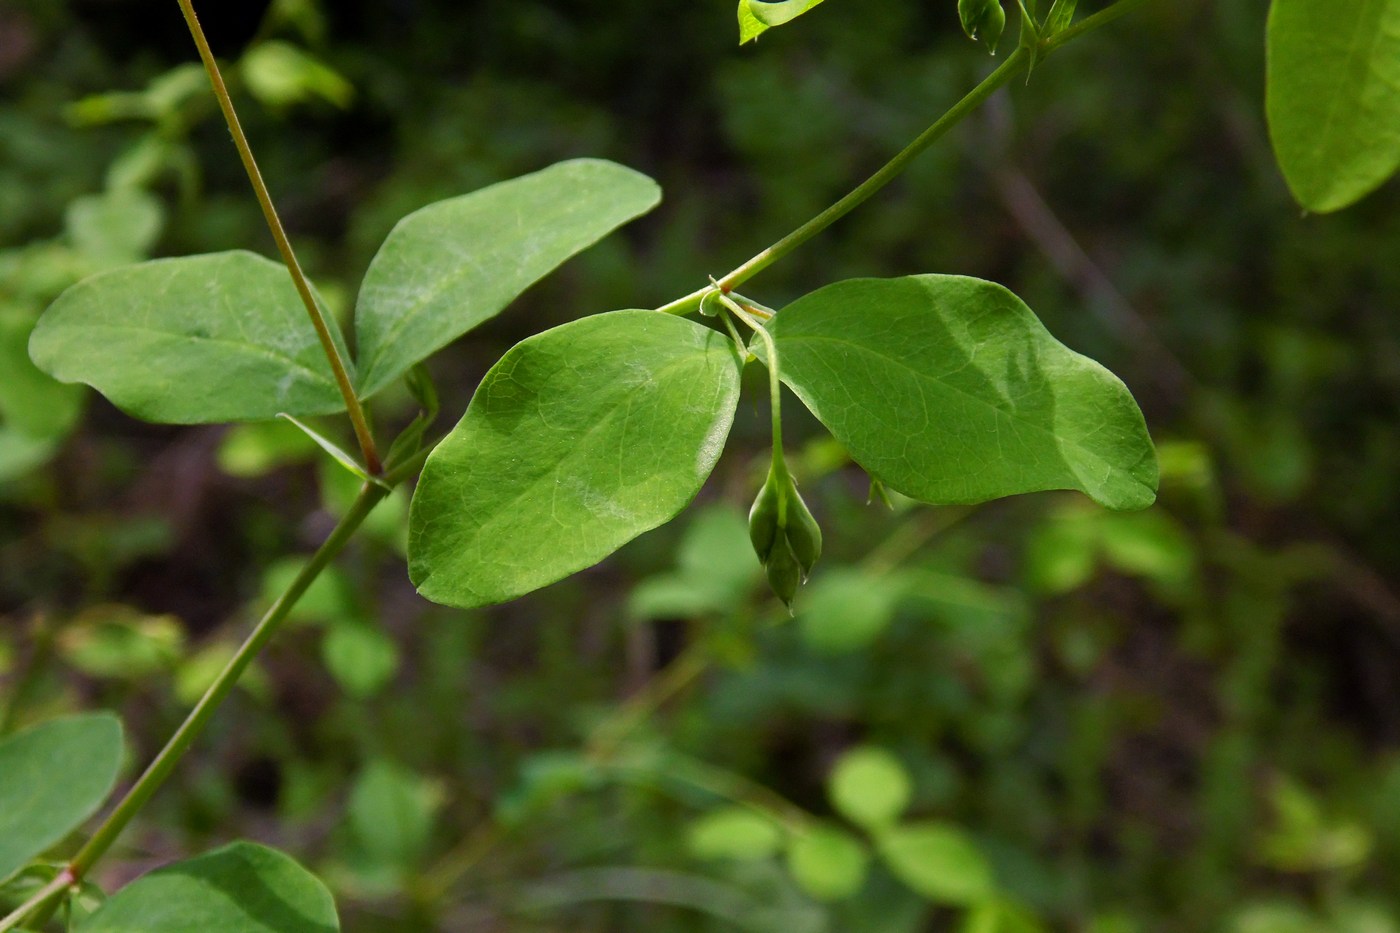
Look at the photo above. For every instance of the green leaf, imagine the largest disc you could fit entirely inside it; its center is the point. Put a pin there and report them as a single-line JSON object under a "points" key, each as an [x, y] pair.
{"points": [[241, 888], [279, 74], [827, 863], [391, 813], [336, 452], [116, 226], [577, 441], [1332, 95], [451, 265], [260, 447], [36, 412], [119, 641], [360, 657], [869, 787], [845, 610], [757, 16], [1002, 917], [733, 833], [218, 337], [938, 861], [949, 390], [53, 776], [715, 570]]}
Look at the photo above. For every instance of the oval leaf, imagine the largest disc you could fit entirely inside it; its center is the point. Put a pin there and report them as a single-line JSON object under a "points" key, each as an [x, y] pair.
{"points": [[53, 776], [451, 265], [194, 340], [949, 390], [846, 609], [577, 441], [757, 16], [391, 815], [827, 863], [241, 888], [938, 861], [869, 787], [1333, 97], [733, 833]]}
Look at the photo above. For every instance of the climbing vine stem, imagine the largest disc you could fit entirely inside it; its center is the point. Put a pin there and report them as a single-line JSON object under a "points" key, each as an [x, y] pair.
{"points": [[1014, 64]]}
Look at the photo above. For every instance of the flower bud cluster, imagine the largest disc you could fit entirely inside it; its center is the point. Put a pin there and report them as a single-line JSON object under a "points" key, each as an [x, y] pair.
{"points": [[785, 536]]}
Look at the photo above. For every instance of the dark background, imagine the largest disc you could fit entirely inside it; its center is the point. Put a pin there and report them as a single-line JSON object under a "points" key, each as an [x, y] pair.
{"points": [[1183, 720]]}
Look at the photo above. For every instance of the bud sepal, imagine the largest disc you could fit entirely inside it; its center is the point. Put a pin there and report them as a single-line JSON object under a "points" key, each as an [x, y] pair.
{"points": [[785, 536]]}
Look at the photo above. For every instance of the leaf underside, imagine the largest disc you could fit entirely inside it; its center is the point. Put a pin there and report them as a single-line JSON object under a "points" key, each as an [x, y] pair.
{"points": [[194, 340], [450, 266], [949, 390], [1333, 97], [757, 16], [577, 441]]}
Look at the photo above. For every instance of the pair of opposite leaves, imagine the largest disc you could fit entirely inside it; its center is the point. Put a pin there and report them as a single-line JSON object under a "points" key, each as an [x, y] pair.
{"points": [[945, 388]]}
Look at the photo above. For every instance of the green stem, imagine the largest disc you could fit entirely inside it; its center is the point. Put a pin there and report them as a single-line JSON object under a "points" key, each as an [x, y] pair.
{"points": [[1003, 74], [198, 718], [775, 385], [60, 883], [284, 246]]}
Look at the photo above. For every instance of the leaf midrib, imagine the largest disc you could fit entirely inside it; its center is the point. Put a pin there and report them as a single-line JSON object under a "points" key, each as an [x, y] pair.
{"points": [[251, 348]]}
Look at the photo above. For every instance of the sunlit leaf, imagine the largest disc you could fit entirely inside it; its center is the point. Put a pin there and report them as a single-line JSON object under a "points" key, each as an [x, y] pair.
{"points": [[869, 787], [733, 832], [1332, 94], [757, 16], [828, 863], [938, 861]]}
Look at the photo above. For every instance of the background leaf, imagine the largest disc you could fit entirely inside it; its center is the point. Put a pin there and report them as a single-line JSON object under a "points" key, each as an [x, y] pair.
{"points": [[577, 441], [199, 339], [390, 813], [451, 265], [35, 411], [52, 777], [938, 861], [241, 888], [828, 863], [1334, 114], [733, 832], [869, 787], [949, 390], [845, 609]]}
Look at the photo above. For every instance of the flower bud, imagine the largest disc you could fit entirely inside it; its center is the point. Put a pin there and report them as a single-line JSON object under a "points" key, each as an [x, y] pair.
{"points": [[982, 20], [763, 519], [804, 535], [784, 534], [784, 573]]}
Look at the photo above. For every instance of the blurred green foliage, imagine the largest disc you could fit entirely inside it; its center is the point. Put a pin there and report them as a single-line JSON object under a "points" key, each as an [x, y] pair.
{"points": [[1176, 720]]}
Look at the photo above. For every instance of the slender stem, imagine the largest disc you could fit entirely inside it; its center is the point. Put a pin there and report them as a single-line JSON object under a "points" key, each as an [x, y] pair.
{"points": [[1090, 23], [284, 246], [775, 385], [1003, 74], [61, 882], [169, 756]]}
